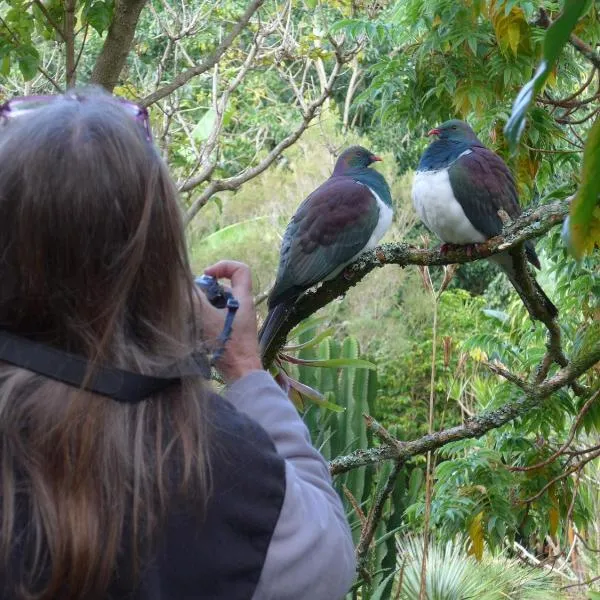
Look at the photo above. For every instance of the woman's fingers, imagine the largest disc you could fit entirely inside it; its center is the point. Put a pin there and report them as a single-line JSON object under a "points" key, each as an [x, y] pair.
{"points": [[237, 272], [241, 351]]}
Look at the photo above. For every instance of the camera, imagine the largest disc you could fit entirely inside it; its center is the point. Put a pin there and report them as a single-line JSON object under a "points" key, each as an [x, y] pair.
{"points": [[215, 293]]}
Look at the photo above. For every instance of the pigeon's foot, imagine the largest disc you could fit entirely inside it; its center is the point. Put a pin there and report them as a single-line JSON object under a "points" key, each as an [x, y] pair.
{"points": [[445, 247], [468, 248], [348, 274], [473, 248]]}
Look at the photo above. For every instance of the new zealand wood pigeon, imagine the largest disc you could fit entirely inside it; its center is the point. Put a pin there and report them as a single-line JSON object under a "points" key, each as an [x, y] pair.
{"points": [[342, 218], [459, 187]]}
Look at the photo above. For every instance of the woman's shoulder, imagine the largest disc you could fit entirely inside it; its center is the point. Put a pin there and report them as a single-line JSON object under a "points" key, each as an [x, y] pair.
{"points": [[238, 442]]}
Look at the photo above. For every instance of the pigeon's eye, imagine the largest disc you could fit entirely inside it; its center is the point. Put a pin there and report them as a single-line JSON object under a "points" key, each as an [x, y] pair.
{"points": [[453, 126]]}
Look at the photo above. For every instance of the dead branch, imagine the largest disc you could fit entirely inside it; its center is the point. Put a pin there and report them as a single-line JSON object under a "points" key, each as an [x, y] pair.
{"points": [[234, 182], [374, 516], [210, 61]]}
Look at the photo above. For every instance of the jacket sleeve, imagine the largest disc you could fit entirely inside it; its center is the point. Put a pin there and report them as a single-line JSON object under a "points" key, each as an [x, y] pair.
{"points": [[311, 554]]}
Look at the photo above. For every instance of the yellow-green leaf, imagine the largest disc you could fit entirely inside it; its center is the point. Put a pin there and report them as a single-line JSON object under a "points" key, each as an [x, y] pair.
{"points": [[514, 35], [553, 514], [553, 519], [584, 221], [476, 536]]}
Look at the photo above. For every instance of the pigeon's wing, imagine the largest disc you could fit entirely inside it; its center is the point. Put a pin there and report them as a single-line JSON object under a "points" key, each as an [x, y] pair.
{"points": [[328, 230], [482, 184]]}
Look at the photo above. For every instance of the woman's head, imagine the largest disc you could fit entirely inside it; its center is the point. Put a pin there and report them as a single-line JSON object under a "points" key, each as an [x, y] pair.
{"points": [[92, 261], [91, 237]]}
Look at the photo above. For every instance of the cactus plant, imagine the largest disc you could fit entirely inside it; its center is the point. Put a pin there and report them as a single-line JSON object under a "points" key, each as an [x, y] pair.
{"points": [[353, 389]]}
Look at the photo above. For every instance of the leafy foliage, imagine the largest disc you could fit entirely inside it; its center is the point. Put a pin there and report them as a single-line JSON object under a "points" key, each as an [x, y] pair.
{"points": [[415, 64]]}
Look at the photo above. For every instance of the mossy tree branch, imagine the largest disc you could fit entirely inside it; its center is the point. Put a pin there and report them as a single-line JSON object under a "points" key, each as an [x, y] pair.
{"points": [[533, 396], [531, 224]]}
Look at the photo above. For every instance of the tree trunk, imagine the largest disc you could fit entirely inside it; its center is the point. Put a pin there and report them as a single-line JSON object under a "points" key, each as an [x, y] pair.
{"points": [[109, 63]]}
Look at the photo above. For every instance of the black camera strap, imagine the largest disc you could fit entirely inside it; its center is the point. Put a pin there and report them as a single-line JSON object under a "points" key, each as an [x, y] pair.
{"points": [[121, 385]]}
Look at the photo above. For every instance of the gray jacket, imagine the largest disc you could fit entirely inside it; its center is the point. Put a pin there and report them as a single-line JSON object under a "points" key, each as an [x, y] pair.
{"points": [[311, 554]]}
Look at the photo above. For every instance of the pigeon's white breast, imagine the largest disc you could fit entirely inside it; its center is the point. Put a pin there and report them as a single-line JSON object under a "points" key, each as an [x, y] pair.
{"points": [[440, 210], [385, 220]]}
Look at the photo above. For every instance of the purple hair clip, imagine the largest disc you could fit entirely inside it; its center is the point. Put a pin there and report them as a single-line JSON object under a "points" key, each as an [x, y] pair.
{"points": [[21, 106]]}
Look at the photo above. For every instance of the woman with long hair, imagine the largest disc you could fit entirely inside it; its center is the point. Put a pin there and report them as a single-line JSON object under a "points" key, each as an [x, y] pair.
{"points": [[123, 474]]}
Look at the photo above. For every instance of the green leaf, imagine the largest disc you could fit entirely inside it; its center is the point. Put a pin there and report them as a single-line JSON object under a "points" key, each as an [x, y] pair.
{"points": [[305, 326], [472, 41], [556, 37], [584, 221], [356, 363], [414, 485], [28, 59], [593, 595], [205, 125], [5, 65], [313, 395], [98, 15], [382, 587], [587, 339], [312, 342]]}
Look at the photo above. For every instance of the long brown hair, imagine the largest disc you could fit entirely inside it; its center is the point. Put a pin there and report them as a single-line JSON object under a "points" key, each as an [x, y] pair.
{"points": [[92, 261]]}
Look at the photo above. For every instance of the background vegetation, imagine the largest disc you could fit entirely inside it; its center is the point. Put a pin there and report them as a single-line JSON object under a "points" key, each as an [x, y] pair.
{"points": [[251, 101]]}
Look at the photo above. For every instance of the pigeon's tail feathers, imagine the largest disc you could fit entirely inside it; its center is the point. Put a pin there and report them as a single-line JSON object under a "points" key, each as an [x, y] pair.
{"points": [[548, 304], [531, 254], [271, 326], [504, 261], [533, 309]]}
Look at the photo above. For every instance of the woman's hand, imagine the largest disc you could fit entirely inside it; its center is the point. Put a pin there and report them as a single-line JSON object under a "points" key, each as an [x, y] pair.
{"points": [[241, 353]]}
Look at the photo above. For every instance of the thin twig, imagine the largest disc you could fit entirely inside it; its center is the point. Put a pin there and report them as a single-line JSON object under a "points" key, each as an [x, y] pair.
{"points": [[587, 546], [49, 18], [430, 466], [380, 431], [563, 475], [210, 61], [357, 509], [83, 42], [374, 516], [588, 582], [234, 182], [572, 433]]}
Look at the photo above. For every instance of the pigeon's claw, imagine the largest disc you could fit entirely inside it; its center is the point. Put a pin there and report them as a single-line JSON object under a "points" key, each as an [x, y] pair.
{"points": [[473, 248], [348, 274], [445, 248]]}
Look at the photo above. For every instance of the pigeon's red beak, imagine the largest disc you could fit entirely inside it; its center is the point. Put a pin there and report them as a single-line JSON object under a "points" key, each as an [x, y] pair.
{"points": [[433, 132], [376, 158]]}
